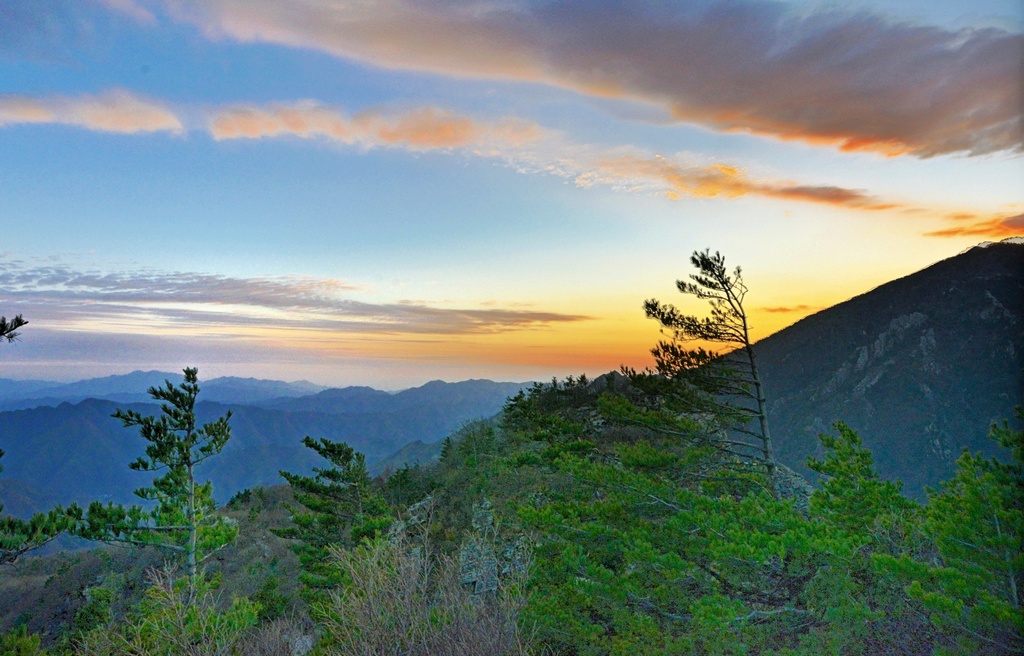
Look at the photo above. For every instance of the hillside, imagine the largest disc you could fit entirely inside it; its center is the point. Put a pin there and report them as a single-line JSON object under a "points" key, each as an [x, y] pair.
{"points": [[46, 592], [83, 454], [919, 367]]}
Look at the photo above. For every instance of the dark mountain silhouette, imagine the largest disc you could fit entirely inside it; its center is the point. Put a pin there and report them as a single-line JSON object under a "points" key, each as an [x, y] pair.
{"points": [[413, 453], [78, 452], [336, 401], [131, 388], [255, 391], [436, 393], [920, 367], [123, 387]]}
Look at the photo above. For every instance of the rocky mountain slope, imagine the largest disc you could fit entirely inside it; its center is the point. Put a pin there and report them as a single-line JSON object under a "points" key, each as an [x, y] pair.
{"points": [[920, 366]]}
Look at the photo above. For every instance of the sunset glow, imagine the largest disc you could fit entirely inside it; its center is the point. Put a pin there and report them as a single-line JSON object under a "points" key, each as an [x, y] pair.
{"points": [[392, 192]]}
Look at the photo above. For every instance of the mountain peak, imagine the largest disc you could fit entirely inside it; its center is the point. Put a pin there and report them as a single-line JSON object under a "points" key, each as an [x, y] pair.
{"points": [[1017, 241]]}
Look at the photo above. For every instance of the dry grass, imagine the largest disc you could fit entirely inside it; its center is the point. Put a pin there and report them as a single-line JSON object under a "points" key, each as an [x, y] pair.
{"points": [[45, 592], [174, 619], [285, 636], [402, 603]]}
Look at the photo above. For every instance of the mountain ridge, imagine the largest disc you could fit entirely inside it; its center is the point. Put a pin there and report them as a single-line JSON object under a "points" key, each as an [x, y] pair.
{"points": [[919, 366], [131, 388], [83, 453]]}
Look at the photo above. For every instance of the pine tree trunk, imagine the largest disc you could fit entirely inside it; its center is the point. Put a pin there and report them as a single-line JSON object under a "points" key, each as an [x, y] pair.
{"points": [[762, 416], [193, 531], [767, 453]]}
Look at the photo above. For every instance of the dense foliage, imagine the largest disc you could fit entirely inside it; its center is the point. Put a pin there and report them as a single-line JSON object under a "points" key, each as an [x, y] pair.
{"points": [[656, 544], [590, 520], [340, 507]]}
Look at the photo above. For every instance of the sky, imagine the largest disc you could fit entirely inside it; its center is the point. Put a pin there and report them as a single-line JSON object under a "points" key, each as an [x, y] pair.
{"points": [[387, 192]]}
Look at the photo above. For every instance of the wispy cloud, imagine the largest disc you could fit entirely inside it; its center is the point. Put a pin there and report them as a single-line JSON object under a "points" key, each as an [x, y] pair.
{"points": [[527, 147], [181, 302], [424, 128], [999, 227], [853, 81], [676, 179], [828, 194], [113, 111], [132, 9], [789, 309]]}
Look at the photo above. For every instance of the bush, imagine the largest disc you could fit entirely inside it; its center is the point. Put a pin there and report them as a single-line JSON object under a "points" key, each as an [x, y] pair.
{"points": [[175, 619], [400, 601], [20, 642]]}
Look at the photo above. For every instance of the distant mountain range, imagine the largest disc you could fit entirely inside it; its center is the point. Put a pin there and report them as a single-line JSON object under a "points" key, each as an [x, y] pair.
{"points": [[78, 452], [131, 388], [920, 367]]}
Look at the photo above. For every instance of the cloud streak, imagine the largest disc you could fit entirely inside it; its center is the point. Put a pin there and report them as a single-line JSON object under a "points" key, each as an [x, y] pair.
{"points": [[180, 302], [789, 309], [676, 179], [852, 81], [525, 146], [420, 129], [131, 8], [999, 227], [520, 144], [114, 111]]}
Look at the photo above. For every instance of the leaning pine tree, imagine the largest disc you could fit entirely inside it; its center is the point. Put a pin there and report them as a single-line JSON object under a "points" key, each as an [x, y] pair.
{"points": [[182, 519], [725, 383], [340, 506]]}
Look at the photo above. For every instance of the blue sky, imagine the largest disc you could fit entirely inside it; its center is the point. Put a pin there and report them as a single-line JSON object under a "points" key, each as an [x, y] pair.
{"points": [[395, 191]]}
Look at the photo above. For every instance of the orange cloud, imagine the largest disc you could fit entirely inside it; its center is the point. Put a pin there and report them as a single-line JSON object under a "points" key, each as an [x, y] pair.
{"points": [[426, 128], [524, 145], [521, 144], [1007, 226], [527, 147], [784, 310], [827, 194], [19, 109], [849, 80], [423, 128], [677, 180], [305, 119], [114, 111]]}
